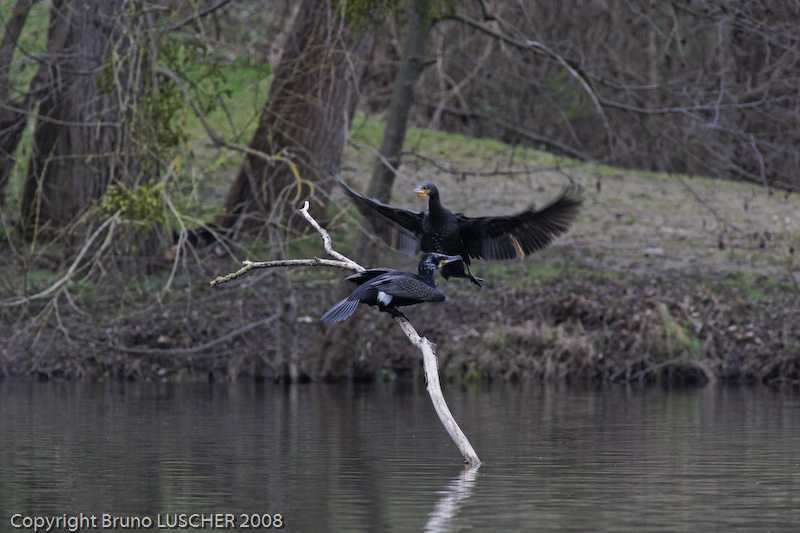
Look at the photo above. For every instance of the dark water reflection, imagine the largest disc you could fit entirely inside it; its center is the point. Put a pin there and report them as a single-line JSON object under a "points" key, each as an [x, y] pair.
{"points": [[375, 457]]}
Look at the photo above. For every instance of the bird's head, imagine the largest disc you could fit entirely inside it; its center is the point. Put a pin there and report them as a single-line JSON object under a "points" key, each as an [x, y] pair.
{"points": [[439, 260], [425, 189]]}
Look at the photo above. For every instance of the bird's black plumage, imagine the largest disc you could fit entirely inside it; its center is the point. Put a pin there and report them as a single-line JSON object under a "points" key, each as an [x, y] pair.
{"points": [[390, 289], [437, 229]]}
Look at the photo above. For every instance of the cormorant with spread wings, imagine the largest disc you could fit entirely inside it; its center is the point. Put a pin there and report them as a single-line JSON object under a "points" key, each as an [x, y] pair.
{"points": [[437, 229]]}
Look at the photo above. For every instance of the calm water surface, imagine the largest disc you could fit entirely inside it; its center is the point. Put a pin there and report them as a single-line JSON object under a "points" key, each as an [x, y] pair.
{"points": [[376, 458]]}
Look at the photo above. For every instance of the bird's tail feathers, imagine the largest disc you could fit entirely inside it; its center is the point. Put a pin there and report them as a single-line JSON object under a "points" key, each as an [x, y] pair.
{"points": [[340, 311]]}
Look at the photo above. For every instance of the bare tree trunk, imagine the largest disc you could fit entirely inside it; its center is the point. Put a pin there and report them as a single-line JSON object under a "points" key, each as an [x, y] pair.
{"points": [[287, 353], [311, 102], [394, 135], [80, 142]]}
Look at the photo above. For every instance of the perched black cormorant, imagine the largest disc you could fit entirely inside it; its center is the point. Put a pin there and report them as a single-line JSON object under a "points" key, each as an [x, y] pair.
{"points": [[390, 289], [438, 229]]}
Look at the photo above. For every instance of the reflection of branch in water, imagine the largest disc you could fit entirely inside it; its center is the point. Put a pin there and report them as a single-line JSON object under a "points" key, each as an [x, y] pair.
{"points": [[441, 518]]}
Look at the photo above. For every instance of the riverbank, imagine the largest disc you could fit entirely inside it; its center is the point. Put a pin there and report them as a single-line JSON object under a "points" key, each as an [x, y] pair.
{"points": [[662, 278], [575, 327]]}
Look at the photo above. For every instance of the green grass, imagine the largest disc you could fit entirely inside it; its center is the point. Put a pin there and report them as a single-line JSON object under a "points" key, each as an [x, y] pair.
{"points": [[524, 274], [468, 152], [32, 42], [240, 97], [756, 287], [367, 131]]}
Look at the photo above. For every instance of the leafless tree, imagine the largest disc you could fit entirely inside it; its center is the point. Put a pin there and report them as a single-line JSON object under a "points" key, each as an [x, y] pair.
{"points": [[81, 140], [680, 86]]}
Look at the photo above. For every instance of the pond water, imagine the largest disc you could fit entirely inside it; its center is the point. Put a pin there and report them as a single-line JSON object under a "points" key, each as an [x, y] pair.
{"points": [[374, 457]]}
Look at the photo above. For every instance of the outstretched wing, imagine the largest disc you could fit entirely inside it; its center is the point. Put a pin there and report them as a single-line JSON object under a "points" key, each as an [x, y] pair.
{"points": [[515, 236], [400, 228], [401, 286]]}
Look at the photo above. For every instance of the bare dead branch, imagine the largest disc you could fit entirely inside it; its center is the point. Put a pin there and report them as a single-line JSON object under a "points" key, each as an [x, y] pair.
{"points": [[196, 16], [326, 241], [201, 347], [452, 168], [425, 346], [541, 49], [250, 265], [435, 391], [67, 277]]}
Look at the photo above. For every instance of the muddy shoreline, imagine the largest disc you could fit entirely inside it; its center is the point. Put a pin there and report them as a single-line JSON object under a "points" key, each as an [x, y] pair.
{"points": [[586, 327]]}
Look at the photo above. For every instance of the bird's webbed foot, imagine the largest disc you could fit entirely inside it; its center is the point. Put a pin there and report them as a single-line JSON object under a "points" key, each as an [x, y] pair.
{"points": [[474, 279]]}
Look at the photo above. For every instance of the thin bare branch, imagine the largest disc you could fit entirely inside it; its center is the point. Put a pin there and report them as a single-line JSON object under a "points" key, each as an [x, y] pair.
{"points": [[376, 153], [51, 120], [326, 241], [200, 347], [541, 49], [196, 16], [216, 140], [705, 204], [66, 278], [250, 265]]}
